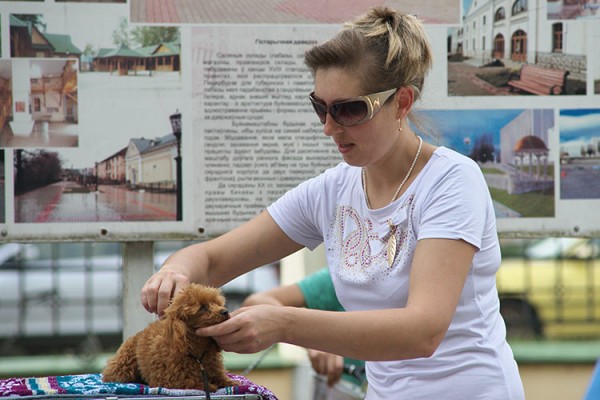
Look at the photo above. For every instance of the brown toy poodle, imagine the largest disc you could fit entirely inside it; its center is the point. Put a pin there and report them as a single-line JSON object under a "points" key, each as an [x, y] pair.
{"points": [[167, 353]]}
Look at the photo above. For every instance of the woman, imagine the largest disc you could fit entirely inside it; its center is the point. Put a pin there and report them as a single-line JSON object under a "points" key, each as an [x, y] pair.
{"points": [[409, 231]]}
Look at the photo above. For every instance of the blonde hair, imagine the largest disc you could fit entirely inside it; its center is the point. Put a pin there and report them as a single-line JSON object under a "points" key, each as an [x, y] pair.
{"points": [[385, 47]]}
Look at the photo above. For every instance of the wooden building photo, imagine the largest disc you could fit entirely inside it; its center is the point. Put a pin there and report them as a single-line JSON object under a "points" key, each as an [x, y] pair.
{"points": [[27, 40], [162, 57]]}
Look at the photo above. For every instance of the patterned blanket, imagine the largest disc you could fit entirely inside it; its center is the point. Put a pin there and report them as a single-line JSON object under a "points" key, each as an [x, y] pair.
{"points": [[91, 385]]}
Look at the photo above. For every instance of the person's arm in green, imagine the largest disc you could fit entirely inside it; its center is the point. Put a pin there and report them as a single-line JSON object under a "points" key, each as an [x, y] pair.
{"points": [[318, 291]]}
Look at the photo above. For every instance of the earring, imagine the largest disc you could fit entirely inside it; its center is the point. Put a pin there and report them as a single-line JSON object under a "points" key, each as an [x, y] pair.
{"points": [[399, 125]]}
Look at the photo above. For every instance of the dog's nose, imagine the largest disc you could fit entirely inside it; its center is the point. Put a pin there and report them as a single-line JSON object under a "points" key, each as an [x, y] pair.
{"points": [[225, 313]]}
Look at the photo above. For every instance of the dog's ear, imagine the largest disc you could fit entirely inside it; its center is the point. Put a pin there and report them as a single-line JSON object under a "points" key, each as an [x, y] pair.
{"points": [[182, 306], [177, 333]]}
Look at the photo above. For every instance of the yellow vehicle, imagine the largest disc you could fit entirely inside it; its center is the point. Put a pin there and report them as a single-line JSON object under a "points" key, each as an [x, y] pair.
{"points": [[553, 290]]}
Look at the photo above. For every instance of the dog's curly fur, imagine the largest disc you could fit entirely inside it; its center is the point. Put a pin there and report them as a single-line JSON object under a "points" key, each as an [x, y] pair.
{"points": [[167, 352]]}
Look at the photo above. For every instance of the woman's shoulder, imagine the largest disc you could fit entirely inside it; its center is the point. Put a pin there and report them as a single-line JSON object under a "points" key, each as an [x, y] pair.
{"points": [[452, 157], [450, 166], [342, 168], [332, 180], [339, 172], [445, 160]]}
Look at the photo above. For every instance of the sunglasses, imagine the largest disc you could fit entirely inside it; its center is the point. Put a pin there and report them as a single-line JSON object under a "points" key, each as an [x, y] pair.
{"points": [[354, 111]]}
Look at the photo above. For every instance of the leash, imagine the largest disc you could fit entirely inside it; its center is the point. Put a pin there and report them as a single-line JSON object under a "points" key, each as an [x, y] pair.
{"points": [[258, 360], [203, 373], [246, 371]]}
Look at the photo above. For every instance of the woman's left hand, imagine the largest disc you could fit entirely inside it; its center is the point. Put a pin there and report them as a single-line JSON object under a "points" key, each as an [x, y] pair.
{"points": [[248, 330]]}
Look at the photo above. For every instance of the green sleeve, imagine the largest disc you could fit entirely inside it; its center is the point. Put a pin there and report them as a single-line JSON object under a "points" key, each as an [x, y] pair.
{"points": [[318, 291]]}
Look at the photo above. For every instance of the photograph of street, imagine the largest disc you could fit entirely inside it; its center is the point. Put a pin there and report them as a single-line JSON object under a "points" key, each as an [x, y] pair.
{"points": [[511, 147], [507, 47], [579, 154], [283, 11], [39, 103]]}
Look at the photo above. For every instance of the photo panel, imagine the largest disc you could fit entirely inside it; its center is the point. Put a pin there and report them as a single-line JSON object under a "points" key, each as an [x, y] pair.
{"points": [[512, 149], [510, 48], [283, 11], [42, 107], [579, 154], [111, 147], [572, 9], [126, 164]]}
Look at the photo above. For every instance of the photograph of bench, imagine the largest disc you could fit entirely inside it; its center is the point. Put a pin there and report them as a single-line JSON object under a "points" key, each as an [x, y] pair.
{"points": [[541, 81]]}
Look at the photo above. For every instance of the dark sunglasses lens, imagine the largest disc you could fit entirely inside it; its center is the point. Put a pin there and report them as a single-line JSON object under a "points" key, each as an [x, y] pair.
{"points": [[320, 110], [349, 113]]}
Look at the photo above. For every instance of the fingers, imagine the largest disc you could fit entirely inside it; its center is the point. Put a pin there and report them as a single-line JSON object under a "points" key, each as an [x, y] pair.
{"points": [[222, 330], [160, 288], [335, 369], [330, 365], [246, 331], [233, 336]]}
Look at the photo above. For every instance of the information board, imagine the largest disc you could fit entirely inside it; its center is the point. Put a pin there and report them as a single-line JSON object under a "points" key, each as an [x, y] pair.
{"points": [[126, 121]]}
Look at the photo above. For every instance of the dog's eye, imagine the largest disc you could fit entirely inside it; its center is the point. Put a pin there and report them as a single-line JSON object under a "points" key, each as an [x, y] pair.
{"points": [[203, 307]]}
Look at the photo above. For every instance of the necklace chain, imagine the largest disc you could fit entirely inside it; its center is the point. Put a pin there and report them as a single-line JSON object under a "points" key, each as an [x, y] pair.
{"points": [[412, 166]]}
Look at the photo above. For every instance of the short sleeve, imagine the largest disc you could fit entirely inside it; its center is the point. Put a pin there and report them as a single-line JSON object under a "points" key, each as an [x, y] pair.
{"points": [[457, 206], [319, 293], [302, 212]]}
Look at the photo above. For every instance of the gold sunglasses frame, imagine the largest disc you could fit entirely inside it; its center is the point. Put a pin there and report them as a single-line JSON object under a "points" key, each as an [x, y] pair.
{"points": [[373, 101]]}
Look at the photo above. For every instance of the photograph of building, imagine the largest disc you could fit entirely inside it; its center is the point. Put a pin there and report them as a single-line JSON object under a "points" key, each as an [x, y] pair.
{"points": [[136, 183], [510, 47], [512, 149], [28, 39], [161, 57], [40, 103]]}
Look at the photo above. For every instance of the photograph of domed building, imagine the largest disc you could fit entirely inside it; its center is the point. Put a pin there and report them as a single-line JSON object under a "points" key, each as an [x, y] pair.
{"points": [[526, 154], [512, 148]]}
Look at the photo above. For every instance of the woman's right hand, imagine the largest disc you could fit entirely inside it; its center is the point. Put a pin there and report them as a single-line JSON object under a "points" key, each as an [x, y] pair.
{"points": [[330, 365], [160, 288]]}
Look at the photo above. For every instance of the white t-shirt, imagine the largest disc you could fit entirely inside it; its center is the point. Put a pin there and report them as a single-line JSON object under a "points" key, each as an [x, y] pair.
{"points": [[448, 199]]}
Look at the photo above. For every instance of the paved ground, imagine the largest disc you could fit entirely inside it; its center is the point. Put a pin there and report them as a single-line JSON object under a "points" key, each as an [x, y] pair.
{"points": [[65, 202], [580, 181], [462, 81], [283, 11]]}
